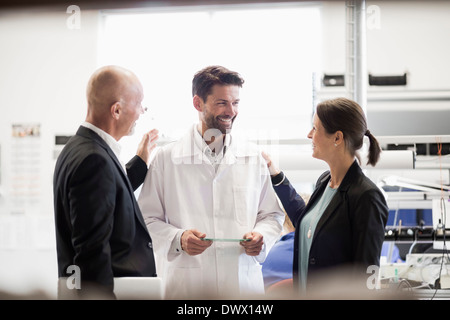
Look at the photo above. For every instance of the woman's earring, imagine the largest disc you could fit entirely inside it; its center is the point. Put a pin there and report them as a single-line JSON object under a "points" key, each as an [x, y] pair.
{"points": [[335, 145]]}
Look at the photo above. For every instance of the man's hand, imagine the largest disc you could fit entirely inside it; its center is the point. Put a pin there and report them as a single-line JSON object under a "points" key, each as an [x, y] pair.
{"points": [[192, 243], [147, 144], [254, 246]]}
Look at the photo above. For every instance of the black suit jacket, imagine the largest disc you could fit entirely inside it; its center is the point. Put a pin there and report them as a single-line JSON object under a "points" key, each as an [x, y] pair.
{"points": [[99, 226], [350, 232]]}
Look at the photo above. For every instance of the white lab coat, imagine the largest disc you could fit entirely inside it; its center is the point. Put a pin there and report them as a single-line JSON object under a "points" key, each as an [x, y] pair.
{"points": [[182, 191]]}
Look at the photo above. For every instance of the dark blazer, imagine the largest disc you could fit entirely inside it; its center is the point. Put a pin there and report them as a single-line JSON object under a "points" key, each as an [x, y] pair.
{"points": [[99, 226], [350, 231]]}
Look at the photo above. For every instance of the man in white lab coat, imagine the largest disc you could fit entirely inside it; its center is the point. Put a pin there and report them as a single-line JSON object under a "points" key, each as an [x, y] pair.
{"points": [[210, 185]]}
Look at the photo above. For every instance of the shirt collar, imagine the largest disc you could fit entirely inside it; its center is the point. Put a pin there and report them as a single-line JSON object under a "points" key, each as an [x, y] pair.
{"points": [[204, 147], [110, 141]]}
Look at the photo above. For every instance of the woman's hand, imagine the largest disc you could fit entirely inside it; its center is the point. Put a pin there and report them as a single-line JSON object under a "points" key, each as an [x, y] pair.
{"points": [[273, 169]]}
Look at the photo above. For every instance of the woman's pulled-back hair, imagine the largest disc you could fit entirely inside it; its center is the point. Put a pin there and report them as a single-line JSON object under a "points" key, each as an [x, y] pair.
{"points": [[342, 114]]}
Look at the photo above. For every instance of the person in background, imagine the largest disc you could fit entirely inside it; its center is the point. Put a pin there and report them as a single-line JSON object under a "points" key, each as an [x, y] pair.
{"points": [[391, 252], [99, 227], [342, 226], [205, 192], [277, 268]]}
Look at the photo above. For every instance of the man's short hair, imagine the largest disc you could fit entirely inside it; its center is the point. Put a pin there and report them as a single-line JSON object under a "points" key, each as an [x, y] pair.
{"points": [[206, 78]]}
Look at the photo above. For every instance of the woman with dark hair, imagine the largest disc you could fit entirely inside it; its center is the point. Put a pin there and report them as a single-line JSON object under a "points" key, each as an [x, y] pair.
{"points": [[342, 226]]}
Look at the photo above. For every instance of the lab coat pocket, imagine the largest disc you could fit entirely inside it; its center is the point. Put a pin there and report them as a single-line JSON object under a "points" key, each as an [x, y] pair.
{"points": [[250, 276], [244, 204], [183, 282]]}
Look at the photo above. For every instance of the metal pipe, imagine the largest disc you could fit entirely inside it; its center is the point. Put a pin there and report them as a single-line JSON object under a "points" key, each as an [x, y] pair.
{"points": [[356, 52]]}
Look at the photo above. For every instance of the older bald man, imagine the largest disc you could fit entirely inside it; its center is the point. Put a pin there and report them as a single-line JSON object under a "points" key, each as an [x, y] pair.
{"points": [[100, 232]]}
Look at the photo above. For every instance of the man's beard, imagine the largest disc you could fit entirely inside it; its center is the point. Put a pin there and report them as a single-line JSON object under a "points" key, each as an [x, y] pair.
{"points": [[214, 123]]}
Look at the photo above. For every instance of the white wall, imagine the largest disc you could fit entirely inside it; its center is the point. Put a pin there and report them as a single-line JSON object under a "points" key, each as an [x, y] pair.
{"points": [[44, 69], [401, 36], [412, 37]]}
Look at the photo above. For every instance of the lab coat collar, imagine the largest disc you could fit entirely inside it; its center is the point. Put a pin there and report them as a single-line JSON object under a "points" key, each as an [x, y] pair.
{"points": [[201, 143], [237, 147]]}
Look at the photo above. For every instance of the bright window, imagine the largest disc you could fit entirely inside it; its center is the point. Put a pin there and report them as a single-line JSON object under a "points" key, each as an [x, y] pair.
{"points": [[274, 47]]}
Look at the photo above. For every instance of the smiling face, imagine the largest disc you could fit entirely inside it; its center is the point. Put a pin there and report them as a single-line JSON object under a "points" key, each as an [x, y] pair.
{"points": [[220, 108], [322, 142]]}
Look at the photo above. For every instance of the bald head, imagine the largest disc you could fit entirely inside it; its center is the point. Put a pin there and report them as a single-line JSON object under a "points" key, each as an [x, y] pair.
{"points": [[108, 85], [111, 92]]}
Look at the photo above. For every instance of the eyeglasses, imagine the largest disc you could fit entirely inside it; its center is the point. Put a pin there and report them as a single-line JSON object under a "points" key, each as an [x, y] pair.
{"points": [[143, 108]]}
